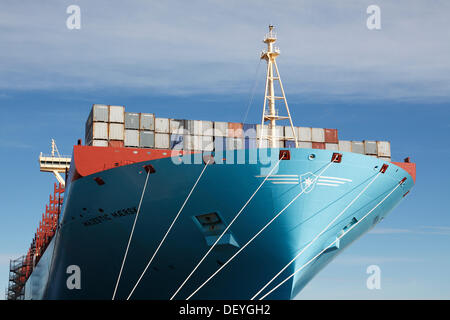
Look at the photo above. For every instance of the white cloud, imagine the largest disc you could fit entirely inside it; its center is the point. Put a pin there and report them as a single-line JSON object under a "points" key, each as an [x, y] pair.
{"points": [[180, 47]]}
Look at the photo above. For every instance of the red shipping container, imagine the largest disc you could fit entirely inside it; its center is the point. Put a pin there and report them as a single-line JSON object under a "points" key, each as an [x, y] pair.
{"points": [[235, 130], [331, 136], [115, 143], [318, 145]]}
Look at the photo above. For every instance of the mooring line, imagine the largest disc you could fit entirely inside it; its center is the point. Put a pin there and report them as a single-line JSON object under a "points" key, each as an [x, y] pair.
{"points": [[131, 235], [226, 229], [257, 234], [337, 239], [168, 231], [317, 236]]}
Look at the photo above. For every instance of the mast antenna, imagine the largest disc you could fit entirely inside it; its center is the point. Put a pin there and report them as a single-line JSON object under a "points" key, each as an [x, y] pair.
{"points": [[271, 113]]}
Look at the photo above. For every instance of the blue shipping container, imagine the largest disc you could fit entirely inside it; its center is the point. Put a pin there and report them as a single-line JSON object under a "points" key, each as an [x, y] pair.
{"points": [[289, 144]]}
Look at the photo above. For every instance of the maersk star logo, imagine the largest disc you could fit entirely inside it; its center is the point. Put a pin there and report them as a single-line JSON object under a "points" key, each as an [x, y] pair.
{"points": [[308, 181]]}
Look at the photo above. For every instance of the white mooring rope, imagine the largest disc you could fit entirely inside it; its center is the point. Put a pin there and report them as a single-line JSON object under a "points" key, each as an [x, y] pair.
{"points": [[226, 229], [317, 236], [168, 231], [337, 239], [257, 234], [131, 236]]}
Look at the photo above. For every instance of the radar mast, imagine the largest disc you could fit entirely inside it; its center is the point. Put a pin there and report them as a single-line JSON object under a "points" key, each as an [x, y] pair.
{"points": [[270, 112]]}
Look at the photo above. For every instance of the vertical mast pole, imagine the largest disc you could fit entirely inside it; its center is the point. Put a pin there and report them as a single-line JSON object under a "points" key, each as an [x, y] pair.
{"points": [[272, 116]]}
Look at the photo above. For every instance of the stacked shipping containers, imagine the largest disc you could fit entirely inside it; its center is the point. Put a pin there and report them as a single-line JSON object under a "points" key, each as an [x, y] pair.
{"points": [[379, 149], [96, 131], [105, 126], [315, 138], [146, 130], [116, 126], [131, 129], [112, 126]]}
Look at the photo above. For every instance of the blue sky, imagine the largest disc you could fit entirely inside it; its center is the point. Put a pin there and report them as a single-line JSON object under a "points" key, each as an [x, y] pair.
{"points": [[199, 60]]}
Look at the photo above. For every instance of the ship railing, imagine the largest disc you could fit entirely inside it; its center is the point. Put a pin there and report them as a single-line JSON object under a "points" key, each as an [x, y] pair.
{"points": [[270, 35], [274, 50], [55, 157], [49, 163]]}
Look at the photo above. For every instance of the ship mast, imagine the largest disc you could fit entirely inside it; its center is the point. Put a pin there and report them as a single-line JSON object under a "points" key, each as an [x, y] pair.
{"points": [[271, 114]]}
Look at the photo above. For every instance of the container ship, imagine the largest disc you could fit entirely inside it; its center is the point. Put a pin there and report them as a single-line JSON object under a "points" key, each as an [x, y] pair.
{"points": [[159, 208]]}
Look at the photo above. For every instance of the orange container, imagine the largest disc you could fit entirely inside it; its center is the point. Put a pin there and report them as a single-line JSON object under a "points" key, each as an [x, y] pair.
{"points": [[331, 136], [115, 143], [318, 145], [235, 130]]}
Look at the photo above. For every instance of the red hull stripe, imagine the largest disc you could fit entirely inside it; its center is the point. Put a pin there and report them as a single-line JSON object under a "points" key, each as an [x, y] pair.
{"points": [[408, 167], [89, 160]]}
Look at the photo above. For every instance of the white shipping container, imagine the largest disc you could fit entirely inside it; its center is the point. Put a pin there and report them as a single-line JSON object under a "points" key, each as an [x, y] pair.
{"points": [[220, 129], [267, 130], [264, 132], [116, 131], [117, 114], [358, 147], [162, 125], [388, 159], [196, 143], [197, 128], [99, 113], [235, 143], [162, 140], [370, 147], [317, 135], [177, 126], [188, 142], [384, 149], [207, 143], [305, 144], [147, 121], [332, 146], [189, 127], [304, 134], [278, 144], [131, 138], [289, 134], [279, 132], [207, 128], [100, 143], [345, 146], [146, 139], [98, 130], [202, 128], [131, 120]]}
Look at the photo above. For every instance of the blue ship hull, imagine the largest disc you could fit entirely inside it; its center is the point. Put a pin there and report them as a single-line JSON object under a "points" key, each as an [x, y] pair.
{"points": [[96, 222]]}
